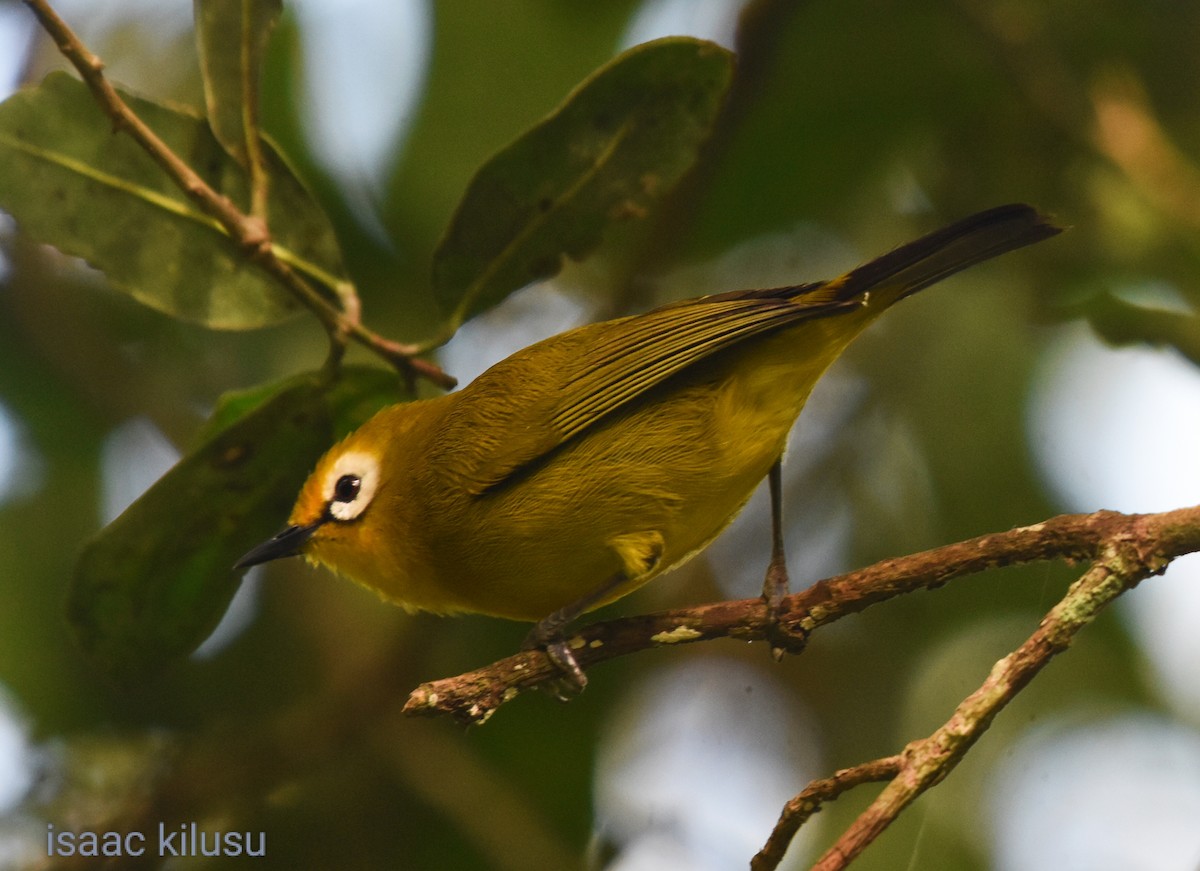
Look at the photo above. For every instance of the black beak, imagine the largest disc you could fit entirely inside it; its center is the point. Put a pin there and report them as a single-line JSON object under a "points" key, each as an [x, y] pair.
{"points": [[287, 543]]}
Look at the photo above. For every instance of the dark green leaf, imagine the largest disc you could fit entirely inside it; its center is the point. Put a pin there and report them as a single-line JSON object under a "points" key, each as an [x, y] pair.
{"points": [[232, 36], [614, 147], [71, 182], [155, 582]]}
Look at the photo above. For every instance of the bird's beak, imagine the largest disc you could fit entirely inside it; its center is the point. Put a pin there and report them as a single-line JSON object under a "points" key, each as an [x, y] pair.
{"points": [[287, 543]]}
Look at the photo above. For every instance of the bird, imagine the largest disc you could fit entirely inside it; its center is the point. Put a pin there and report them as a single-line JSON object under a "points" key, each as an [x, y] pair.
{"points": [[583, 466]]}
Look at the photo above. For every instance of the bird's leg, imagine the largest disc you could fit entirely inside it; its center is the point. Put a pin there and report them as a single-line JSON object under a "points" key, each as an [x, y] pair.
{"points": [[775, 586], [547, 634], [639, 554]]}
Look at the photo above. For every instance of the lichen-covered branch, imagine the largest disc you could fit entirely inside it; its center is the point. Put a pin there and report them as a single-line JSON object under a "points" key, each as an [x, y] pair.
{"points": [[1123, 550], [1130, 550], [474, 696]]}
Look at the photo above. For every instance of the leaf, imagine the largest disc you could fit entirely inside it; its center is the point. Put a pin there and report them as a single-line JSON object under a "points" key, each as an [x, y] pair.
{"points": [[71, 182], [620, 140], [154, 583], [1121, 323], [232, 37]]}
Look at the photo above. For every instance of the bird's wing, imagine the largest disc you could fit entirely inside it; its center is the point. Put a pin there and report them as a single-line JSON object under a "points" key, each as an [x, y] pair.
{"points": [[516, 422], [650, 349], [529, 404]]}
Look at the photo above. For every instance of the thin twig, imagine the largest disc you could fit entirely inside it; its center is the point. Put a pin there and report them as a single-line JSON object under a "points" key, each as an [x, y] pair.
{"points": [[798, 810], [475, 696], [249, 232]]}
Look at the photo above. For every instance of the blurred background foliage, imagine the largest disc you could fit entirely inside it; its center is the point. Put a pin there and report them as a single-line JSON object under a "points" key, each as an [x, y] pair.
{"points": [[979, 405]]}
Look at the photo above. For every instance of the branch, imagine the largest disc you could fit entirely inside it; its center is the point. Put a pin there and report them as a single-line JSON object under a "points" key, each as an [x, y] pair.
{"points": [[249, 232], [1156, 538], [926, 762], [798, 810]]}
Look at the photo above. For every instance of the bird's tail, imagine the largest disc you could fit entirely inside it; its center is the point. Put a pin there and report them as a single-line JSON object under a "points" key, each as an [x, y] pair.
{"points": [[943, 252]]}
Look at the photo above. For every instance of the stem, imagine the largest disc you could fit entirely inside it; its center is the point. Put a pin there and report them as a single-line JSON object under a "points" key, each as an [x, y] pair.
{"points": [[249, 232], [260, 181]]}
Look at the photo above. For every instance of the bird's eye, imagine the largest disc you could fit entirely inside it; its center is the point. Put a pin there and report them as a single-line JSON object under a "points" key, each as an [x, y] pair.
{"points": [[346, 489], [350, 484]]}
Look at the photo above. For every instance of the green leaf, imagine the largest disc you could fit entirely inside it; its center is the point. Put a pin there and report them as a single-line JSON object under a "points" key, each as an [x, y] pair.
{"points": [[154, 583], [1121, 323], [232, 37], [620, 140], [71, 182]]}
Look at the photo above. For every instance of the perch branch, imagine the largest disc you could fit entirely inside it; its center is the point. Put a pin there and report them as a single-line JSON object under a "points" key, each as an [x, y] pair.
{"points": [[473, 697], [249, 232]]}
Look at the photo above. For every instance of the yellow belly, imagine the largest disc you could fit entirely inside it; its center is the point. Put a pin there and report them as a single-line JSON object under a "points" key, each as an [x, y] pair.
{"points": [[677, 466]]}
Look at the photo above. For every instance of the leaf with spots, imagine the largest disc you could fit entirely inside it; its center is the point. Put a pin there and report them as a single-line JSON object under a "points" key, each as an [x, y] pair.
{"points": [[73, 183], [617, 144], [155, 582]]}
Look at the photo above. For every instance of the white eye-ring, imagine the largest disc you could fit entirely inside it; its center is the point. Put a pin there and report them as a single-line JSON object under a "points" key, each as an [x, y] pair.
{"points": [[350, 485]]}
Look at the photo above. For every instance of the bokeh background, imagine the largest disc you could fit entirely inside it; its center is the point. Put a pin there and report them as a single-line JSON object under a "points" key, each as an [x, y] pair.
{"points": [[988, 402]]}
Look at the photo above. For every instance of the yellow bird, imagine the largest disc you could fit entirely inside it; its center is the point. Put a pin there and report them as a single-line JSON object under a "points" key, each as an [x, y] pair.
{"points": [[579, 468]]}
